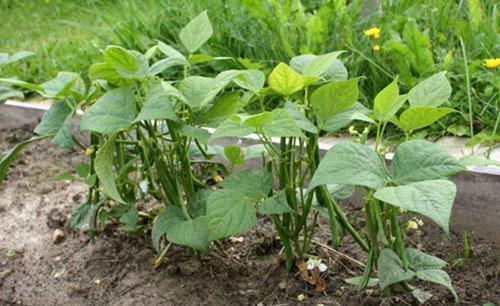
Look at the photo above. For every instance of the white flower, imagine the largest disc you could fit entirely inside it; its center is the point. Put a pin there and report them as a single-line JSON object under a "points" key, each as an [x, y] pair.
{"points": [[322, 267], [310, 265]]}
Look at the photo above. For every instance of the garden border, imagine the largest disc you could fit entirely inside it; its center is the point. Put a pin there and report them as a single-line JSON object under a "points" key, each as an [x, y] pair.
{"points": [[476, 208]]}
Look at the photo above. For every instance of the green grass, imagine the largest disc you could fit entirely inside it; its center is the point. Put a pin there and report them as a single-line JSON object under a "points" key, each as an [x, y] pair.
{"points": [[68, 35]]}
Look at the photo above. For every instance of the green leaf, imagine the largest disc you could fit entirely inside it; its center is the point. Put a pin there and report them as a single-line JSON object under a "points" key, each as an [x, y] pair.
{"points": [[257, 121], [284, 80], [439, 277], [433, 198], [53, 119], [196, 89], [157, 105], [197, 205], [252, 184], [104, 71], [421, 116], [63, 84], [420, 160], [191, 233], [232, 127], [300, 119], [170, 51], [166, 63], [281, 124], [390, 269], [80, 215], [432, 91], [64, 137], [475, 160], [387, 102], [335, 72], [192, 132], [82, 169], [103, 166], [23, 84], [340, 120], [350, 164], [63, 176], [122, 60], [420, 261], [114, 111], [234, 155], [252, 80], [130, 219], [5, 59], [319, 65], [7, 92], [229, 213], [334, 98], [372, 282], [277, 204], [9, 156], [169, 217], [223, 107], [196, 32]]}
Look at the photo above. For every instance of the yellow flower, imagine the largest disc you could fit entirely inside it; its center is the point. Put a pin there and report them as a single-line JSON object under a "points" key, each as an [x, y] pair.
{"points": [[373, 32], [492, 62], [376, 48]]}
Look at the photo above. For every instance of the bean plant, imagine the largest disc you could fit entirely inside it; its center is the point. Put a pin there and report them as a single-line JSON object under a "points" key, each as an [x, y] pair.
{"points": [[148, 116]]}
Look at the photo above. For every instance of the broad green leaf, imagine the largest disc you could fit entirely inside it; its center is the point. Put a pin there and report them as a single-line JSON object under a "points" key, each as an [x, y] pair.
{"points": [[432, 91], [122, 60], [157, 105], [195, 89], [130, 219], [5, 59], [254, 151], [232, 127], [439, 277], [340, 120], [235, 155], [166, 63], [63, 176], [64, 136], [53, 119], [82, 169], [196, 32], [253, 184], [199, 58], [475, 160], [80, 215], [103, 166], [320, 64], [421, 116], [284, 80], [277, 204], [372, 282], [390, 269], [229, 213], [62, 85], [104, 71], [420, 295], [169, 217], [282, 124], [192, 132], [387, 102], [191, 233], [350, 164], [300, 119], [420, 261], [433, 198], [252, 80], [335, 72], [114, 111], [334, 98], [7, 92], [197, 205], [170, 51], [9, 156], [23, 84], [420, 160], [223, 107], [258, 120]]}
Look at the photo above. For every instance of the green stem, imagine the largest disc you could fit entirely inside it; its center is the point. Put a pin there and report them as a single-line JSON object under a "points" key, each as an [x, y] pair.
{"points": [[396, 232], [467, 84]]}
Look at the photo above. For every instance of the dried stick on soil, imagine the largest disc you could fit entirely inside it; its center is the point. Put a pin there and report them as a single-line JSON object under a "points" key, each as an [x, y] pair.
{"points": [[337, 252]]}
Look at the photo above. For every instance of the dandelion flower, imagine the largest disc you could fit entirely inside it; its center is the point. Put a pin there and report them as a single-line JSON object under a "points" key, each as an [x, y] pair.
{"points": [[376, 48], [373, 32], [492, 63]]}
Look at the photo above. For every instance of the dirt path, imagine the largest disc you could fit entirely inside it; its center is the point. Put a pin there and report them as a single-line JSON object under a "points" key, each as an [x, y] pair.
{"points": [[116, 270]]}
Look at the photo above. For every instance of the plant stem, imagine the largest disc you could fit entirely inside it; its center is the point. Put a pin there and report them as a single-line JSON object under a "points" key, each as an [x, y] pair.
{"points": [[467, 84]]}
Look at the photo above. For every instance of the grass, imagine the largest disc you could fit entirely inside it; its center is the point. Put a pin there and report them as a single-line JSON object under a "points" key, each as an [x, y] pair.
{"points": [[68, 35]]}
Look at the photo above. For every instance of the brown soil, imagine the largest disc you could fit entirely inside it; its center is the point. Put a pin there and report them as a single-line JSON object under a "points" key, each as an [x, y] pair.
{"points": [[116, 270]]}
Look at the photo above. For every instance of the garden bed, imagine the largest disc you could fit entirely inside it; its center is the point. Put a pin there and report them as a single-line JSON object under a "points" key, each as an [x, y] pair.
{"points": [[117, 270]]}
